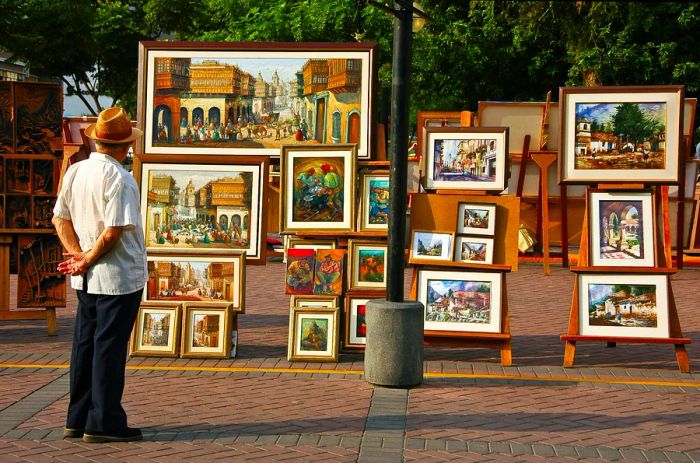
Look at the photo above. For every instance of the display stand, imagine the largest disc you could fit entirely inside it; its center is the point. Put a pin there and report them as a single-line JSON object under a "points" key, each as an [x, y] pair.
{"points": [[46, 313], [544, 160], [438, 212], [663, 267]]}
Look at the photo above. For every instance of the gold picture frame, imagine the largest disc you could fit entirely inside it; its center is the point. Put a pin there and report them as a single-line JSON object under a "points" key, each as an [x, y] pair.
{"points": [[367, 269], [313, 334], [156, 331], [206, 330], [313, 301]]}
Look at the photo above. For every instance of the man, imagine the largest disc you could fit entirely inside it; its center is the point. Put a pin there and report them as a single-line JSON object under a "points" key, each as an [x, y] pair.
{"points": [[98, 220]]}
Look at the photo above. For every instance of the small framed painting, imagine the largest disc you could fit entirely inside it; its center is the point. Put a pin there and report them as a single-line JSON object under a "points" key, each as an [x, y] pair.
{"points": [[313, 334], [206, 330], [157, 330], [622, 228], [295, 242], [476, 219], [317, 188], [466, 158], [299, 278], [313, 301], [431, 245], [328, 275], [620, 134], [460, 301], [355, 320], [628, 305], [425, 119], [374, 201], [474, 250], [367, 265], [197, 278]]}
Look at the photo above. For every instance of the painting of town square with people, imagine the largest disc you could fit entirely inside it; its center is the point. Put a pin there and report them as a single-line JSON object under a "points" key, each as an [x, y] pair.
{"points": [[199, 209], [458, 301], [622, 305], [230, 101], [620, 136]]}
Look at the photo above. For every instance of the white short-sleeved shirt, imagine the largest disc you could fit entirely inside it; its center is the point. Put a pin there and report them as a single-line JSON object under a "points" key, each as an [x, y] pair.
{"points": [[98, 193]]}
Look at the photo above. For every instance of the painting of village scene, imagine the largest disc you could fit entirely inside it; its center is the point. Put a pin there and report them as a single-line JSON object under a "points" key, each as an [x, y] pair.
{"points": [[458, 301], [198, 209], [318, 194], [623, 228], [253, 102], [474, 250], [200, 279], [156, 329], [620, 135], [431, 245], [622, 305]]}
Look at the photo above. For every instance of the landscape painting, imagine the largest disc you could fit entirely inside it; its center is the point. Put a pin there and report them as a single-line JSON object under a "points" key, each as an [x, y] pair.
{"points": [[374, 201], [476, 218], [251, 98], [624, 305], [318, 188], [460, 301], [466, 159], [431, 245], [204, 208], [300, 271], [191, 278], [622, 229], [474, 250], [619, 134]]}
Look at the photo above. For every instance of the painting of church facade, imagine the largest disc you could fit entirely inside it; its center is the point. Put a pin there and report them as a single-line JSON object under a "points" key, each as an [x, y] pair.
{"points": [[254, 98]]}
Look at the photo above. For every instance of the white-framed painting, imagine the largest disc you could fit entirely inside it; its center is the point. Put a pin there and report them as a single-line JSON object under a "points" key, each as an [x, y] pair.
{"points": [[431, 245], [622, 228], [203, 205], [476, 219], [374, 202], [466, 158], [250, 98], [460, 301], [626, 305], [620, 134], [474, 250]]}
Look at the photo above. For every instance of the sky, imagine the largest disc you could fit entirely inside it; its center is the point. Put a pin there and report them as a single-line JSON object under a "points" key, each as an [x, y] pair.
{"points": [[441, 286], [286, 67], [603, 112]]}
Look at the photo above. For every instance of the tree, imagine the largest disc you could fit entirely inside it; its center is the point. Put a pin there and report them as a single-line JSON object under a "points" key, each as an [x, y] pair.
{"points": [[630, 120]]}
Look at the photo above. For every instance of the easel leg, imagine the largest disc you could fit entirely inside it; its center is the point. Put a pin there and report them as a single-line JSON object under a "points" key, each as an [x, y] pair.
{"points": [[506, 354], [682, 358], [51, 320], [611, 344], [569, 354]]}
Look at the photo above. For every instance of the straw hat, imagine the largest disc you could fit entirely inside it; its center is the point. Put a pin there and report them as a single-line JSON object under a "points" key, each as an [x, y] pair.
{"points": [[113, 126]]}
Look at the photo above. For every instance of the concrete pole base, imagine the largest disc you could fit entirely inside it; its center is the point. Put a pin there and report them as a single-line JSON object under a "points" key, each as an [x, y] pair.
{"points": [[394, 350]]}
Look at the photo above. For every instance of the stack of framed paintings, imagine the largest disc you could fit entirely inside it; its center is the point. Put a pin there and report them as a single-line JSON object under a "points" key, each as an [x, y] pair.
{"points": [[30, 149], [622, 291]]}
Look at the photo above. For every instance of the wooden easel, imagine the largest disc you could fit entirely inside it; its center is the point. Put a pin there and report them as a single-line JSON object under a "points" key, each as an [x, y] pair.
{"points": [[664, 267], [46, 313], [544, 160]]}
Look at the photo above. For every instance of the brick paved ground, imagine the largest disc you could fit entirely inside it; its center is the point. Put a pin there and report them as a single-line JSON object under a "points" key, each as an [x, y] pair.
{"points": [[626, 403]]}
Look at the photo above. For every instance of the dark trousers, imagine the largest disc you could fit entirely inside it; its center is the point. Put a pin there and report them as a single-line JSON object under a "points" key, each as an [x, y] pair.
{"points": [[98, 359]]}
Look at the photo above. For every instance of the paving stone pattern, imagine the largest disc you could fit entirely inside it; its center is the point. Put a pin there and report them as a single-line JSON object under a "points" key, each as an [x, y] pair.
{"points": [[628, 403]]}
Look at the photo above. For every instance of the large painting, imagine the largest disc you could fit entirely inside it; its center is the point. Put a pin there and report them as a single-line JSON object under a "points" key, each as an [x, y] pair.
{"points": [[628, 305], [39, 283], [318, 188], [252, 98], [208, 206], [468, 158], [194, 278], [622, 228], [38, 118], [460, 301], [618, 134]]}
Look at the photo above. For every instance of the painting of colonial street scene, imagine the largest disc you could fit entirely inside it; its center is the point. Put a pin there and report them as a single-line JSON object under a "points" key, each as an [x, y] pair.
{"points": [[620, 136], [250, 101], [616, 134], [156, 331], [206, 331], [623, 229], [195, 279], [624, 305], [476, 218], [199, 209], [474, 250], [465, 160], [460, 301]]}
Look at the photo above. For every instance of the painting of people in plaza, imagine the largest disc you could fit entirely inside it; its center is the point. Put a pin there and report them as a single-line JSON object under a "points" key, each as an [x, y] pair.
{"points": [[200, 209], [206, 330], [38, 118], [458, 160], [318, 194], [254, 101], [7, 131], [628, 305], [314, 334], [328, 277], [458, 301], [620, 135], [156, 329], [171, 279], [300, 271]]}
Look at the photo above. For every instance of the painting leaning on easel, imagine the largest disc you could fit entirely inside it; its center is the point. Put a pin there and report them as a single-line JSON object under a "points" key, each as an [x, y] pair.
{"points": [[39, 284]]}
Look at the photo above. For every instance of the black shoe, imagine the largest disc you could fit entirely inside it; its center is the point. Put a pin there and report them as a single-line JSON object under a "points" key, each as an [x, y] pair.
{"points": [[73, 433], [127, 435]]}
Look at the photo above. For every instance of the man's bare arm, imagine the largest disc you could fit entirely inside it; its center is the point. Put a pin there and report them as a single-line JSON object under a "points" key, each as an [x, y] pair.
{"points": [[67, 235], [78, 260]]}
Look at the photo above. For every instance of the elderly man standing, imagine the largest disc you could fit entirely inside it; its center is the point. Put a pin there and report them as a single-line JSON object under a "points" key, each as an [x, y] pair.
{"points": [[98, 220]]}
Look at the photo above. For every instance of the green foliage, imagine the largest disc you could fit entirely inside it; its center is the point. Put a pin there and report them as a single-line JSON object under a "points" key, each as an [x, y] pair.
{"points": [[633, 123]]}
